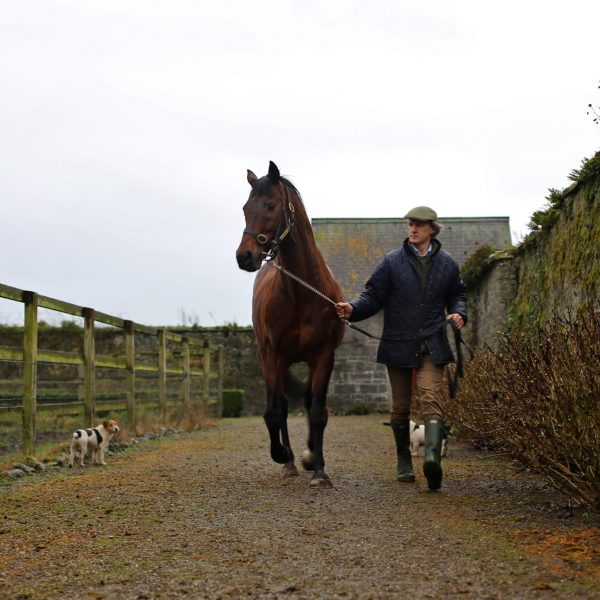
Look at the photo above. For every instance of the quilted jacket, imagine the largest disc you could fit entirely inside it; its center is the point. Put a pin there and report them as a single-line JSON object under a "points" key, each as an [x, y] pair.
{"points": [[413, 314]]}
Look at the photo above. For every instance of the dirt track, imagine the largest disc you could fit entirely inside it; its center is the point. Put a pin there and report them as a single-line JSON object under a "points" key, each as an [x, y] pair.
{"points": [[207, 515]]}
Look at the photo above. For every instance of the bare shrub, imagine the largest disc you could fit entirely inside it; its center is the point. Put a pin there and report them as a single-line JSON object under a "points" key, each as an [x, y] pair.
{"points": [[536, 399]]}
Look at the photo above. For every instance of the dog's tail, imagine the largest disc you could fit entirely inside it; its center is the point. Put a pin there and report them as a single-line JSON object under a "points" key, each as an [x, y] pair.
{"points": [[78, 434]]}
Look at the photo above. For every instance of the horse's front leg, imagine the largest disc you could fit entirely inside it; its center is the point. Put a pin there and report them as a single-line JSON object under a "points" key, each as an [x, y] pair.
{"points": [[275, 417], [312, 458]]}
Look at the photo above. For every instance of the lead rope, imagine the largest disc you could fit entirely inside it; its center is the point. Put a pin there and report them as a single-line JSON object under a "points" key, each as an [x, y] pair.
{"points": [[319, 293], [302, 282], [458, 340]]}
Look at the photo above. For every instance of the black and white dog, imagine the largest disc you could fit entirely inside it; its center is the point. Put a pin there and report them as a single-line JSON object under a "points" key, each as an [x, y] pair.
{"points": [[417, 438], [95, 439]]}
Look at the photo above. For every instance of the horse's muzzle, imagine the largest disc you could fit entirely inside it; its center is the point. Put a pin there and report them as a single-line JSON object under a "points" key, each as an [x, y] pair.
{"points": [[247, 261]]}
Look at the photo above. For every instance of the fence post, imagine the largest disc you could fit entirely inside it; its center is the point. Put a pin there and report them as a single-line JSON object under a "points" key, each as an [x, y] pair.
{"points": [[130, 366], [186, 373], [89, 373], [162, 375], [206, 379], [30, 348], [221, 374]]}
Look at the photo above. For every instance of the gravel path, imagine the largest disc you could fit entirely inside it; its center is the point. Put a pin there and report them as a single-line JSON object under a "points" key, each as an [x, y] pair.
{"points": [[208, 515]]}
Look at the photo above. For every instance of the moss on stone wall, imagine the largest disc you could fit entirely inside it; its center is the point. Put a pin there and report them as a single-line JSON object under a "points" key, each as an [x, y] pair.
{"points": [[559, 261], [477, 265]]}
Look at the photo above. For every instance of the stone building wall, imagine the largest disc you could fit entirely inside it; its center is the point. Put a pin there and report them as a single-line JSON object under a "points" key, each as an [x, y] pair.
{"points": [[358, 381], [352, 248], [490, 303]]}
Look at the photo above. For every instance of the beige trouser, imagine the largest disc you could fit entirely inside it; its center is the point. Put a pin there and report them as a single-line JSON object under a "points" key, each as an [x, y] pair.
{"points": [[429, 385]]}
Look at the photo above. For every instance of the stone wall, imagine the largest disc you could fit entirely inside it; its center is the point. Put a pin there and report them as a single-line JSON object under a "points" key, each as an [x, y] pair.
{"points": [[358, 381], [559, 265], [490, 303], [555, 271], [242, 365]]}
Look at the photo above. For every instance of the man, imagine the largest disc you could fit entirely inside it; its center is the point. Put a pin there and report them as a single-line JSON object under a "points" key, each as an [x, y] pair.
{"points": [[419, 286]]}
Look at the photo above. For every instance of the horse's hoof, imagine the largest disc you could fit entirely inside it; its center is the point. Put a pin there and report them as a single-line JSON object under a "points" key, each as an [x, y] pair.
{"points": [[308, 460], [280, 454], [321, 480], [289, 470]]}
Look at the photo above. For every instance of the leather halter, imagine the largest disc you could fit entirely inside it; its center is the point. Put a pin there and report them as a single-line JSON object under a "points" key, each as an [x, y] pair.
{"points": [[287, 219]]}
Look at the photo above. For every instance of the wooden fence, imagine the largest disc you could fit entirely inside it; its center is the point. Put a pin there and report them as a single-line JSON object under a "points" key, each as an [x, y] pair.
{"points": [[29, 356]]}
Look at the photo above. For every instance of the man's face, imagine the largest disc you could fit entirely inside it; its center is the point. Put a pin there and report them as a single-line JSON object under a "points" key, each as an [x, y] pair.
{"points": [[419, 232]]}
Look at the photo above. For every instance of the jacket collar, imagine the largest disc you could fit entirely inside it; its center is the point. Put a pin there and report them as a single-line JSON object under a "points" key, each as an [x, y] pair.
{"points": [[436, 246]]}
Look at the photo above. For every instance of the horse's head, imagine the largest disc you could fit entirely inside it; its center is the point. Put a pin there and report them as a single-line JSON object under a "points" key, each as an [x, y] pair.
{"points": [[269, 215]]}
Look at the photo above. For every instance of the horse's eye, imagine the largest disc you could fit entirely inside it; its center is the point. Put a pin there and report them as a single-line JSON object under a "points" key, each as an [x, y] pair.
{"points": [[271, 206]]}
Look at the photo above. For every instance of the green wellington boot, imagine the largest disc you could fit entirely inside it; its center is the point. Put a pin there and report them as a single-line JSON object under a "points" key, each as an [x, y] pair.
{"points": [[432, 467], [402, 437]]}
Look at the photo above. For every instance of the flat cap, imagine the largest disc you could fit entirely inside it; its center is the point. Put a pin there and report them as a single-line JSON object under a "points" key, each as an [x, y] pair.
{"points": [[421, 213]]}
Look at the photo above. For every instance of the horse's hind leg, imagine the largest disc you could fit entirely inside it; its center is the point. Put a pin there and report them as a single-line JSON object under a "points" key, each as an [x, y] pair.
{"points": [[308, 457], [317, 418], [289, 468]]}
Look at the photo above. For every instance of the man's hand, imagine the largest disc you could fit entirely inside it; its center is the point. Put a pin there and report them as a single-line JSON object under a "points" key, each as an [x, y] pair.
{"points": [[458, 320], [343, 310]]}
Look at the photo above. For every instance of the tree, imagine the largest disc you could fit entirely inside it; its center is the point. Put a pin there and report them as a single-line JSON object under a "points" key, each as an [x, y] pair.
{"points": [[594, 111]]}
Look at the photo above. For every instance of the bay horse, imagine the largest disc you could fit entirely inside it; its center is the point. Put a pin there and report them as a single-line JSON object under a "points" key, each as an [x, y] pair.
{"points": [[291, 323]]}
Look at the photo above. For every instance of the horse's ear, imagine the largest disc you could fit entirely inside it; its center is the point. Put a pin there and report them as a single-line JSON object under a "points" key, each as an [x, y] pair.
{"points": [[273, 172], [251, 177]]}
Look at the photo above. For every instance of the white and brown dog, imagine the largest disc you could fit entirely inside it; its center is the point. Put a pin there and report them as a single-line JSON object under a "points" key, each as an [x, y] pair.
{"points": [[95, 439], [417, 438]]}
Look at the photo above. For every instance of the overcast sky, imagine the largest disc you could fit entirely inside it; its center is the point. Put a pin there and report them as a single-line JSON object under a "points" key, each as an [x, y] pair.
{"points": [[126, 128]]}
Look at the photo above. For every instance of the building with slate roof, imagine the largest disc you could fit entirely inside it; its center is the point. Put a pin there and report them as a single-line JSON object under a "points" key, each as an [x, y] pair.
{"points": [[353, 248]]}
